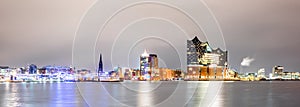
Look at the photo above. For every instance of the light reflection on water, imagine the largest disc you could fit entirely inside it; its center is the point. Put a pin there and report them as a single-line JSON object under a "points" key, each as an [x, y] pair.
{"points": [[144, 98], [39, 94], [13, 96], [259, 94], [231, 94]]}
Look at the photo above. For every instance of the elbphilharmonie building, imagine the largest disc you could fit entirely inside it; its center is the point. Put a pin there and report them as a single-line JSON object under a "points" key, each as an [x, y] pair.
{"points": [[205, 62]]}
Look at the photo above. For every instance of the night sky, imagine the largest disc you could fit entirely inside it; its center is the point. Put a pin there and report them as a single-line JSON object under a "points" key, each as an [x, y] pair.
{"points": [[42, 32]]}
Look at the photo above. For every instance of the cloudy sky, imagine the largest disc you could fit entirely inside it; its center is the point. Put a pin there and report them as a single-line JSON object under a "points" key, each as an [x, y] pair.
{"points": [[42, 32]]}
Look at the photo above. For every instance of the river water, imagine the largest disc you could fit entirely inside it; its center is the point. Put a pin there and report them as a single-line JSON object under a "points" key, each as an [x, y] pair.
{"points": [[145, 93]]}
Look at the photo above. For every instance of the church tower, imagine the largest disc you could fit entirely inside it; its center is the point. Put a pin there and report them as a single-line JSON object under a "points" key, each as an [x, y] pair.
{"points": [[100, 68]]}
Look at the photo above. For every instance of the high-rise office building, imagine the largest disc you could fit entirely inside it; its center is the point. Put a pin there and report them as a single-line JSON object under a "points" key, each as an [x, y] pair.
{"points": [[148, 65]]}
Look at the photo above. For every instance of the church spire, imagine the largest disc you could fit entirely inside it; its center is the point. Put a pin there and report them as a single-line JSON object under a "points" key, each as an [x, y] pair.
{"points": [[100, 68]]}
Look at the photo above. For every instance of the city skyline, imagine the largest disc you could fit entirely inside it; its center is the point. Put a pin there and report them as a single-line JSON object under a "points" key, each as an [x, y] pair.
{"points": [[160, 53], [43, 34]]}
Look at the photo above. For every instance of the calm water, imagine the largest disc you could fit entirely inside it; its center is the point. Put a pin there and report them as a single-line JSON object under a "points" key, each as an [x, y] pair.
{"points": [[202, 93]]}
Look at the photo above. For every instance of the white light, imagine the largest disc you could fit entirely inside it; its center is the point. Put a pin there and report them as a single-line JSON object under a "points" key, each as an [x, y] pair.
{"points": [[145, 54], [280, 68]]}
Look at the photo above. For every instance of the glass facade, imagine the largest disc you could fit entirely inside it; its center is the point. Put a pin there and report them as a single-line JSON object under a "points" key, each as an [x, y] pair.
{"points": [[200, 53], [148, 65], [205, 62]]}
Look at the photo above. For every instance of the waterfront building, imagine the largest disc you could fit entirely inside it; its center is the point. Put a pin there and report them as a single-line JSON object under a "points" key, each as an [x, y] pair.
{"points": [[166, 74], [261, 73], [32, 69], [203, 62], [100, 66], [114, 75], [200, 53], [119, 72], [290, 75], [193, 72], [277, 71], [178, 74], [149, 66], [104, 75], [9, 74], [83, 75], [232, 74], [49, 69], [125, 73], [3, 71], [169, 74], [42, 70], [250, 76], [135, 74], [4, 67]]}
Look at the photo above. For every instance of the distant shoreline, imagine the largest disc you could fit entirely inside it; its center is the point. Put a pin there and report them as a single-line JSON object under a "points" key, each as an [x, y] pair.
{"points": [[137, 81]]}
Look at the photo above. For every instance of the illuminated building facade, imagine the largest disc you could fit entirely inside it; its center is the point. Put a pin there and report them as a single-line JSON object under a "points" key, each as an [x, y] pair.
{"points": [[136, 73], [56, 69], [166, 74], [277, 71], [125, 73], [200, 53], [148, 65], [204, 62], [261, 73], [128, 74], [32, 69]]}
